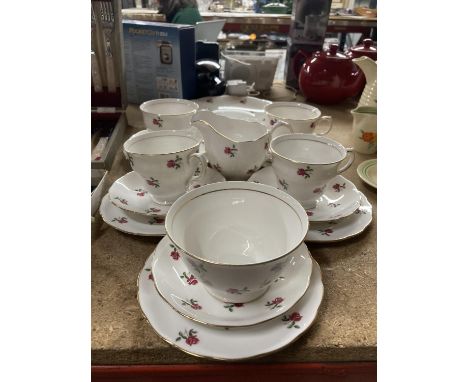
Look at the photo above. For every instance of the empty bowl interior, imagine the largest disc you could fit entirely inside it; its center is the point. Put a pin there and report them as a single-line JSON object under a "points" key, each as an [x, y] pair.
{"points": [[293, 112], [166, 144], [237, 226], [308, 151], [168, 107]]}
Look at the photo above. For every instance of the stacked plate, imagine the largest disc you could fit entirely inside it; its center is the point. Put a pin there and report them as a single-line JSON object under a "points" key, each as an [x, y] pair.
{"points": [[209, 289], [341, 212], [128, 207]]}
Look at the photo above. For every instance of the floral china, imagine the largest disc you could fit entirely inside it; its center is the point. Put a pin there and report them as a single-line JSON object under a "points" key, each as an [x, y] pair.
{"points": [[181, 290], [364, 131], [168, 113], [227, 343], [130, 222], [246, 108], [342, 229], [305, 163], [340, 198], [130, 193], [164, 160], [236, 148], [367, 171], [249, 233], [302, 118]]}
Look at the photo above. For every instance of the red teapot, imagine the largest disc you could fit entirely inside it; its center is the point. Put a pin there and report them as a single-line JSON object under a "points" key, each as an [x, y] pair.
{"points": [[328, 77]]}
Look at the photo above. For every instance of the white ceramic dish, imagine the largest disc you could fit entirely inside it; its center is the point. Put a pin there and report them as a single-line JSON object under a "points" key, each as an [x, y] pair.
{"points": [[182, 291], [247, 235], [342, 229], [340, 197], [130, 222], [129, 193], [367, 171], [229, 344], [246, 108]]}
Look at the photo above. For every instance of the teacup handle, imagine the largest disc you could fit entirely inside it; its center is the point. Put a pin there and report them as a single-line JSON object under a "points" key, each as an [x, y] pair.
{"points": [[350, 160], [280, 124], [203, 164], [329, 121]]}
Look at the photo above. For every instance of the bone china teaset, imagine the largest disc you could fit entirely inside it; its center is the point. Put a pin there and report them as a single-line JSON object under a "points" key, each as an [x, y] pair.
{"points": [[236, 186]]}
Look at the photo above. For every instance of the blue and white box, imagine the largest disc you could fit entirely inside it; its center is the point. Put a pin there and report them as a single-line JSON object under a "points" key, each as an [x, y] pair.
{"points": [[159, 60]]}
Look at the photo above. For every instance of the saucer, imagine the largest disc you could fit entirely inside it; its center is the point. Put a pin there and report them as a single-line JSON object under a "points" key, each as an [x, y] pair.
{"points": [[340, 198], [228, 344], [183, 292], [129, 193], [342, 229], [367, 171], [130, 222], [246, 108]]}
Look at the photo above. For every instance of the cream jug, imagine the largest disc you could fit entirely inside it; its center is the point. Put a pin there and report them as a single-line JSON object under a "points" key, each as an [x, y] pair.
{"points": [[369, 67]]}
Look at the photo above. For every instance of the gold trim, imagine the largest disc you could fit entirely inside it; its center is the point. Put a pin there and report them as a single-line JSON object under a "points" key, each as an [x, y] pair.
{"points": [[173, 100], [297, 104], [242, 189], [122, 230], [347, 150], [230, 139], [162, 133], [234, 359], [231, 326]]}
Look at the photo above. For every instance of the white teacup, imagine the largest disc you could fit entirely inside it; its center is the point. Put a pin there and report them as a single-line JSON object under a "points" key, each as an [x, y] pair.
{"points": [[300, 117], [164, 159], [304, 163], [236, 237], [168, 113]]}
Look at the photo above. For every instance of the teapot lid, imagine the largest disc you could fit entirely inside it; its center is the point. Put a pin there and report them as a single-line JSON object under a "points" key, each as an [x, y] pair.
{"points": [[367, 48], [332, 53]]}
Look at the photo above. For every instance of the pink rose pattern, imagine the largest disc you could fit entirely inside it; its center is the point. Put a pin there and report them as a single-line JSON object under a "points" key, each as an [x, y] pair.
{"points": [[191, 280], [174, 253], [121, 220], [121, 200], [174, 163], [152, 210], [231, 151], [231, 307], [238, 291], [158, 121], [140, 192], [337, 187], [192, 303], [190, 337], [150, 275], [326, 231], [275, 303], [305, 172], [291, 320], [283, 184], [156, 220], [153, 182]]}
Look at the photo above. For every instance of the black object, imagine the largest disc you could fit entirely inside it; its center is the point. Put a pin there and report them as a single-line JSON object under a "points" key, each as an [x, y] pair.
{"points": [[207, 50], [208, 82]]}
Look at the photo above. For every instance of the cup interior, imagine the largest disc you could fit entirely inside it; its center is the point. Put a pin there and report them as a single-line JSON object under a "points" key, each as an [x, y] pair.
{"points": [[293, 111], [305, 149], [169, 106], [237, 226], [163, 142]]}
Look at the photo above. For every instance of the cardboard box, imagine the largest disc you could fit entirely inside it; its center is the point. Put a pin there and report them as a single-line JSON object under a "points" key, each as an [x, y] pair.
{"points": [[159, 60]]}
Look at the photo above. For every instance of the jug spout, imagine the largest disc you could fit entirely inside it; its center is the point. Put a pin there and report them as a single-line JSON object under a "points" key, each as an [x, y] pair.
{"points": [[368, 66]]}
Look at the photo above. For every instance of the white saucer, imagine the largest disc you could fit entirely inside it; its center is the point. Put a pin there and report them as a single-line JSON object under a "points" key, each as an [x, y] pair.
{"points": [[340, 198], [367, 171], [337, 230], [130, 222], [129, 193], [227, 343], [183, 292], [246, 108]]}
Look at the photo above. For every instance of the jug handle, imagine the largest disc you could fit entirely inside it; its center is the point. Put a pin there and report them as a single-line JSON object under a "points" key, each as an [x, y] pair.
{"points": [[297, 63], [329, 121], [350, 160], [203, 164]]}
